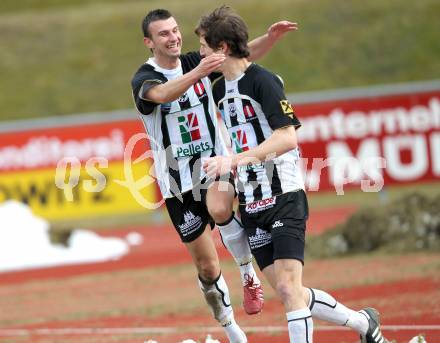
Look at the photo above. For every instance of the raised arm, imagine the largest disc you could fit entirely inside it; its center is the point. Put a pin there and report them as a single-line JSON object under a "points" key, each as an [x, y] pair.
{"points": [[260, 46], [173, 89]]}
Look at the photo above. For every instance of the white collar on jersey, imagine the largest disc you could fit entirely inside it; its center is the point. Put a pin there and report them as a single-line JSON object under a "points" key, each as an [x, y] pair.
{"points": [[152, 61]]}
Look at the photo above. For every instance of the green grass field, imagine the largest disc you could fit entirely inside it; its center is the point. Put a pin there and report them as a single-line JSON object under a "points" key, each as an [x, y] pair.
{"points": [[73, 56], [358, 198]]}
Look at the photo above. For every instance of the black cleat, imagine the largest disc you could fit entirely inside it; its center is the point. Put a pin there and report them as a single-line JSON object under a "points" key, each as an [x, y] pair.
{"points": [[373, 335]]}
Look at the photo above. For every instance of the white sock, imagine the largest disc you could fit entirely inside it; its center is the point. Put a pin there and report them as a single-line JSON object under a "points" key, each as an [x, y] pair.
{"points": [[247, 270], [358, 322], [235, 240], [233, 331], [323, 306], [300, 326]]}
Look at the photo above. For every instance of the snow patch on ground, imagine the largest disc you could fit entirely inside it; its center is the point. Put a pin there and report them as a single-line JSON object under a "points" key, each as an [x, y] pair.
{"points": [[25, 243]]}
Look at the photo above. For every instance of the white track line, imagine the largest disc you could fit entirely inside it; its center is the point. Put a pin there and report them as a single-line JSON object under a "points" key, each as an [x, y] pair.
{"points": [[170, 330]]}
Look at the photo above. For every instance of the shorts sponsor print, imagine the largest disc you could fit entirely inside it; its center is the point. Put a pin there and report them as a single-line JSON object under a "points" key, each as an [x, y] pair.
{"points": [[191, 223], [277, 223], [260, 239], [189, 216], [189, 212], [261, 205], [276, 227]]}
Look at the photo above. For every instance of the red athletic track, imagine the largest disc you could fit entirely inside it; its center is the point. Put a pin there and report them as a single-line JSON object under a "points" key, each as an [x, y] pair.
{"points": [[397, 299], [396, 315]]}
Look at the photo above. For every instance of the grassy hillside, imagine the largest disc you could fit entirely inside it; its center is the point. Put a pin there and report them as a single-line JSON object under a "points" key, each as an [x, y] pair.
{"points": [[70, 56]]}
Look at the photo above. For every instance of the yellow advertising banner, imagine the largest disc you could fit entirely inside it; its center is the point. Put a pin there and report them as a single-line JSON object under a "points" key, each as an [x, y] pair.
{"points": [[87, 192]]}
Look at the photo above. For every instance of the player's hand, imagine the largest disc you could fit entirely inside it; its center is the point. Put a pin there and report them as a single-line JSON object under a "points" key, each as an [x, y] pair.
{"points": [[218, 165], [210, 64], [278, 30]]}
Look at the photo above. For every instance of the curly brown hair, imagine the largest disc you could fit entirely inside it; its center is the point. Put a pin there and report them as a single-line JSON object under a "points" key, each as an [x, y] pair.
{"points": [[223, 25]]}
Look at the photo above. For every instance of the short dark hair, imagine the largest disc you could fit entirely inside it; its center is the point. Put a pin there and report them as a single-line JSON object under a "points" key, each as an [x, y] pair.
{"points": [[225, 25], [154, 15]]}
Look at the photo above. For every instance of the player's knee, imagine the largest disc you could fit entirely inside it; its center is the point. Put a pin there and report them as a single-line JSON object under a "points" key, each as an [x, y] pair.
{"points": [[221, 212], [287, 292], [208, 270], [284, 291]]}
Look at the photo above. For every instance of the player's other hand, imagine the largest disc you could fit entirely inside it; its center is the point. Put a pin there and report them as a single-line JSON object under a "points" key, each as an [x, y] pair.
{"points": [[218, 165], [277, 30], [210, 64]]}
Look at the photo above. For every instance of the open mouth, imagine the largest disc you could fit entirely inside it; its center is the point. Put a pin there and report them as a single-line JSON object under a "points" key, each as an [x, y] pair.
{"points": [[173, 46]]}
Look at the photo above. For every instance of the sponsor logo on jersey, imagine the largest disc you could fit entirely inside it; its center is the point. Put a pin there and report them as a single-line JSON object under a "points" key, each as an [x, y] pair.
{"points": [[193, 149], [229, 91], [191, 223], [192, 139], [232, 110], [261, 205], [189, 127], [287, 108], [199, 88], [239, 140], [249, 111], [277, 223], [183, 98], [261, 238]]}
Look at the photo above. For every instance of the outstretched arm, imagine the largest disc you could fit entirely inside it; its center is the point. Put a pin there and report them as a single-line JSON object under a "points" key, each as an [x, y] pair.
{"points": [[260, 46]]}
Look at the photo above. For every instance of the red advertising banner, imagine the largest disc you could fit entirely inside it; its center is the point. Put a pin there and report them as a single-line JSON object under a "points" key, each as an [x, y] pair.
{"points": [[365, 142], [370, 141], [43, 148]]}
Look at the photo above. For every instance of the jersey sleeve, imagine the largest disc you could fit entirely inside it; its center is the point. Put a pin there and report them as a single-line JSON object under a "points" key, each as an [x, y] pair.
{"points": [[143, 80], [277, 109]]}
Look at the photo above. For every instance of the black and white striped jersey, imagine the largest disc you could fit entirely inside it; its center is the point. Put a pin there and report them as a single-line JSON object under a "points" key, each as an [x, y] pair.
{"points": [[252, 107], [183, 133]]}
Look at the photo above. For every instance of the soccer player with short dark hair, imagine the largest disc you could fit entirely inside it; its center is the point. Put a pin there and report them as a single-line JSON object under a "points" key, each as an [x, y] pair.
{"points": [[273, 205]]}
